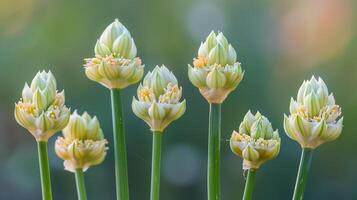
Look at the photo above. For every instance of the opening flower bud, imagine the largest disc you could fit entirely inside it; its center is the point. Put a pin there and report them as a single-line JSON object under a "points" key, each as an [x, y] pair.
{"points": [[215, 56], [115, 64], [159, 97], [41, 109], [256, 142], [314, 117], [83, 144]]}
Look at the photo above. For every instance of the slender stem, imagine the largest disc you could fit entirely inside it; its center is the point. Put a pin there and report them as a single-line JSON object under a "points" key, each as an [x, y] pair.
{"points": [[301, 179], [155, 166], [214, 137], [81, 188], [44, 170], [249, 185], [121, 168]]}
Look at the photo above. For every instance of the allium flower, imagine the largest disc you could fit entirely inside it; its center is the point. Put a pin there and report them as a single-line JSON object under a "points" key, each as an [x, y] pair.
{"points": [[256, 141], [83, 144], [159, 97], [314, 116], [215, 71], [41, 109], [115, 64]]}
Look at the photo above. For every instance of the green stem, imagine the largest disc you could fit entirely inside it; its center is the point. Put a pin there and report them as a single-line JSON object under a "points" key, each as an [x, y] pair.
{"points": [[121, 168], [81, 188], [214, 137], [301, 179], [249, 185], [155, 166], [44, 170]]}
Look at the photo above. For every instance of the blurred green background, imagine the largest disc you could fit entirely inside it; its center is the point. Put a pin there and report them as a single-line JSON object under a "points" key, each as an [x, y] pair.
{"points": [[279, 43]]}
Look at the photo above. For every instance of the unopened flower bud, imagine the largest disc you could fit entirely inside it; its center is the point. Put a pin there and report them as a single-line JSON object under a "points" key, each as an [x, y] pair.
{"points": [[83, 144], [116, 40], [158, 101], [215, 71], [41, 109], [256, 142], [314, 116]]}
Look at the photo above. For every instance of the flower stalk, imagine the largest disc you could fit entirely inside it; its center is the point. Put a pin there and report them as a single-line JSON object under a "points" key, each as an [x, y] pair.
{"points": [[214, 151], [44, 170], [158, 104], [216, 73], [121, 169], [249, 185], [156, 165], [81, 188], [301, 179]]}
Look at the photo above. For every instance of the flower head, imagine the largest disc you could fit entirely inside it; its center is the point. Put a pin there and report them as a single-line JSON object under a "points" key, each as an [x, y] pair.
{"points": [[83, 144], [215, 71], [115, 64], [314, 117], [41, 109], [256, 141], [158, 102]]}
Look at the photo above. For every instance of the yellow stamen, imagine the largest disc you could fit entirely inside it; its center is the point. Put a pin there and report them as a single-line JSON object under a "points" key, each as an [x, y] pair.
{"points": [[200, 62]]}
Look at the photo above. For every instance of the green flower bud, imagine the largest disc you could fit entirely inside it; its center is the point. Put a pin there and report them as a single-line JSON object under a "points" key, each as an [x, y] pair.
{"points": [[256, 141], [158, 101], [83, 144], [116, 40], [217, 55], [158, 80], [115, 64], [83, 127], [314, 117], [215, 79], [215, 71], [41, 109]]}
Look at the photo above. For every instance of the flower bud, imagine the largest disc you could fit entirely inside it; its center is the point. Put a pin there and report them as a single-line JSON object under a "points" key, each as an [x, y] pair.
{"points": [[314, 116], [115, 64], [116, 40], [83, 144], [215, 71], [158, 102], [256, 141], [41, 109]]}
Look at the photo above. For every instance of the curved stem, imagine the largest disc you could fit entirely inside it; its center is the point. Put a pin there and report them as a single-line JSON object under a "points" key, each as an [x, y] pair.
{"points": [[121, 168], [301, 179], [44, 170], [155, 166], [214, 137], [249, 185], [81, 188]]}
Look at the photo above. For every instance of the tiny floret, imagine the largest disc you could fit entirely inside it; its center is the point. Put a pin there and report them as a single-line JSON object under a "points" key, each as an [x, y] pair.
{"points": [[158, 102], [314, 116], [115, 64], [41, 109], [83, 144], [256, 142], [215, 70]]}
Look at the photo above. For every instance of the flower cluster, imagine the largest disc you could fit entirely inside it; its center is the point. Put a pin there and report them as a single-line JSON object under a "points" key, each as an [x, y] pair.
{"points": [[41, 109], [215, 71], [115, 64], [314, 116], [158, 102], [83, 144], [256, 142]]}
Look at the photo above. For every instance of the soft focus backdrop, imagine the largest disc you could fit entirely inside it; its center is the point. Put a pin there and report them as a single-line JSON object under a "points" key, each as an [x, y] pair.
{"points": [[279, 43]]}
